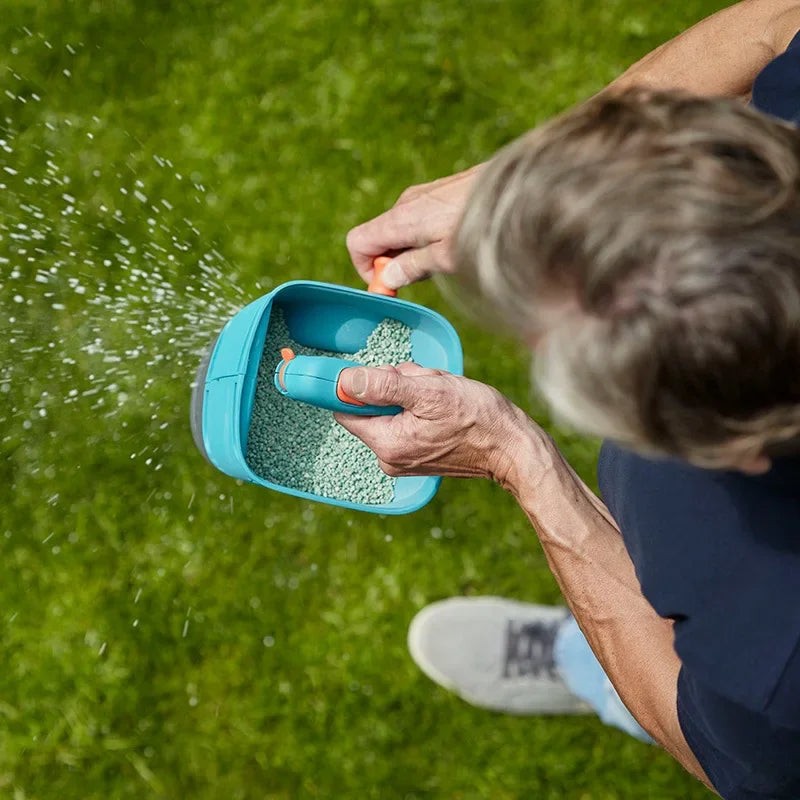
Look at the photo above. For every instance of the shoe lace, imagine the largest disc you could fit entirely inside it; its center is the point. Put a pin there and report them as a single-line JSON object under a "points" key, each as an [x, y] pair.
{"points": [[529, 649]]}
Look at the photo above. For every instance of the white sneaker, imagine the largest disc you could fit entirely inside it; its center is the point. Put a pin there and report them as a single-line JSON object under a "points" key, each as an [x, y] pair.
{"points": [[494, 653]]}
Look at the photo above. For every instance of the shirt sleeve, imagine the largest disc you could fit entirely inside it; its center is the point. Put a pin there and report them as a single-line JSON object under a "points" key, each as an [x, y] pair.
{"points": [[776, 89]]}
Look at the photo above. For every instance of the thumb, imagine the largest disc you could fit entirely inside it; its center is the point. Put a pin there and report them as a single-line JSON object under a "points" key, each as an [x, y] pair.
{"points": [[379, 386], [412, 265]]}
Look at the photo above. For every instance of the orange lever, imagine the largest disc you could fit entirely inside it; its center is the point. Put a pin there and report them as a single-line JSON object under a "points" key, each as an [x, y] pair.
{"points": [[287, 354], [376, 285], [345, 398]]}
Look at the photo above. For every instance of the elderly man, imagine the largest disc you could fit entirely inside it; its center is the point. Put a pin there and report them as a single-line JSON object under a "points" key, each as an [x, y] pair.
{"points": [[646, 245]]}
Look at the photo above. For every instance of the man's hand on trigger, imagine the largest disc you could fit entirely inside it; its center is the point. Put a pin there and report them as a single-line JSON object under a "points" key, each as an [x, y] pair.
{"points": [[418, 230], [450, 425]]}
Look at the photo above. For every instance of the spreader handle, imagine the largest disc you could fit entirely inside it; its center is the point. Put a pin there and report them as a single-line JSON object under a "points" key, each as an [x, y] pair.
{"points": [[315, 380]]}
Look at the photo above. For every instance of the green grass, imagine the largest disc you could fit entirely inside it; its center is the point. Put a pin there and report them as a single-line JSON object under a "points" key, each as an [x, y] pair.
{"points": [[300, 120]]}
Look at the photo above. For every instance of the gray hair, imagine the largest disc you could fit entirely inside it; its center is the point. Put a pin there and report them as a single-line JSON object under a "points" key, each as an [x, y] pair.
{"points": [[650, 243]]}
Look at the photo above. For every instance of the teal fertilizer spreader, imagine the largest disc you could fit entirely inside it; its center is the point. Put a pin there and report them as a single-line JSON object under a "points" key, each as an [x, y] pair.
{"points": [[323, 316]]}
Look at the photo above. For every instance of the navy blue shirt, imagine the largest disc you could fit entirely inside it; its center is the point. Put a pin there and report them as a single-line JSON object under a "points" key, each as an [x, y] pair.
{"points": [[719, 553]]}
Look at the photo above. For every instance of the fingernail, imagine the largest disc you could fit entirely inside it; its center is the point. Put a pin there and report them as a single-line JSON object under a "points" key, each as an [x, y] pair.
{"points": [[358, 382], [393, 275]]}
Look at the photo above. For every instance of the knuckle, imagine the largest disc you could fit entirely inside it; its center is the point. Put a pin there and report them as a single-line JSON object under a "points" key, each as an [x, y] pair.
{"points": [[384, 383], [444, 259], [396, 227], [409, 193], [401, 218], [353, 239]]}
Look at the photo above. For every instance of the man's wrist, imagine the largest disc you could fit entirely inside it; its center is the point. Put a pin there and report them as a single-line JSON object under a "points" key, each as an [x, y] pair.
{"points": [[524, 457]]}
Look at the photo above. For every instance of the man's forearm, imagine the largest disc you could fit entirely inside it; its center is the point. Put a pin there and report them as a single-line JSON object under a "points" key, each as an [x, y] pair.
{"points": [[722, 54], [588, 559]]}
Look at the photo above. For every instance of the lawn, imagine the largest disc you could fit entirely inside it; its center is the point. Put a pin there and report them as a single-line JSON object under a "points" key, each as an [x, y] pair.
{"points": [[166, 632]]}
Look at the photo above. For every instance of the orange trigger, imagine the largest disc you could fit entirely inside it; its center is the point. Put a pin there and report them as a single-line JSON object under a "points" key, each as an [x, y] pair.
{"points": [[287, 354], [345, 398]]}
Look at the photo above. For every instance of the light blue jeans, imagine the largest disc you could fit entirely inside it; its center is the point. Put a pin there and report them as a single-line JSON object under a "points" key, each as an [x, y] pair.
{"points": [[581, 671]]}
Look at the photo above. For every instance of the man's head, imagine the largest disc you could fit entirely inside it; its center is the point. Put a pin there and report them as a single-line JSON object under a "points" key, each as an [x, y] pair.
{"points": [[649, 245]]}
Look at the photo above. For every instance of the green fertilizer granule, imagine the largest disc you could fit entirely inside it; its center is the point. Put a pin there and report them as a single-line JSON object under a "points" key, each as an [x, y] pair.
{"points": [[302, 447]]}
